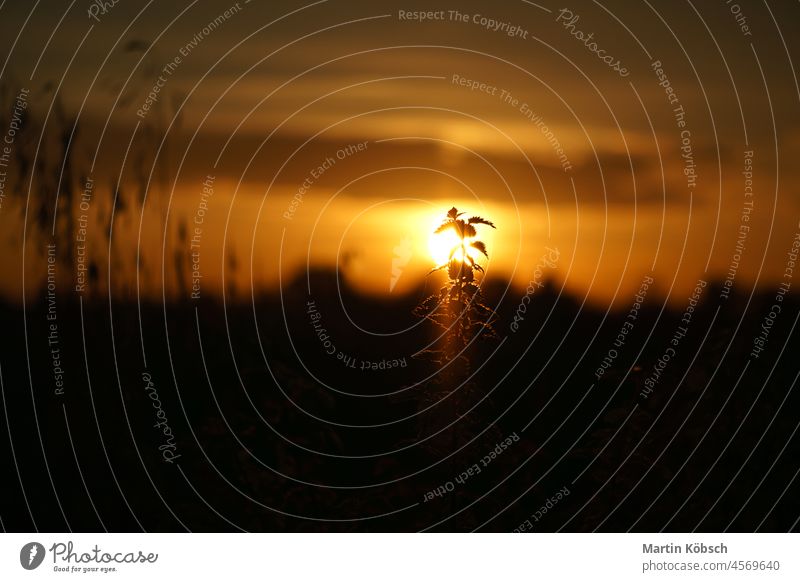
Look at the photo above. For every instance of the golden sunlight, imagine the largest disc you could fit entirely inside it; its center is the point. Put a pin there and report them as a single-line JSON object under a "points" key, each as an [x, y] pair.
{"points": [[441, 244]]}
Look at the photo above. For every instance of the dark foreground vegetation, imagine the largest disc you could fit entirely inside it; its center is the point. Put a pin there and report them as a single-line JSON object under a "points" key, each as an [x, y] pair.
{"points": [[256, 442]]}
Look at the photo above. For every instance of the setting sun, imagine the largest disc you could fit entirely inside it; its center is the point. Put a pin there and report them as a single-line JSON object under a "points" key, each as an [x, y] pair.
{"points": [[443, 242]]}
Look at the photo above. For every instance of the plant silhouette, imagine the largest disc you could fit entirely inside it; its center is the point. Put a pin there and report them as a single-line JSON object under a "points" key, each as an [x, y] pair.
{"points": [[458, 308]]}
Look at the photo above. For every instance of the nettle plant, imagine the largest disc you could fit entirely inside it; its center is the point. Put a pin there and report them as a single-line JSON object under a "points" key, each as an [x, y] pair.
{"points": [[458, 308]]}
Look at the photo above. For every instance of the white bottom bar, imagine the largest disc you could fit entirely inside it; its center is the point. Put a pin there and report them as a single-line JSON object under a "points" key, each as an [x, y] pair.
{"points": [[400, 557]]}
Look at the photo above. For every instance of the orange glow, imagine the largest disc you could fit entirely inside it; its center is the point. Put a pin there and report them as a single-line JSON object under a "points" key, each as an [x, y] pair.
{"points": [[441, 245]]}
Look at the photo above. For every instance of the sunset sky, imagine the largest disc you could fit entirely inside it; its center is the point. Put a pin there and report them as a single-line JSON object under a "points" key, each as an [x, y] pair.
{"points": [[505, 109]]}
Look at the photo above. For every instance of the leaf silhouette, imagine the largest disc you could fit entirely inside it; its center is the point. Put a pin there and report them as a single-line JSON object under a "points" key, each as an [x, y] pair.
{"points": [[479, 246], [474, 265], [479, 220], [455, 269], [444, 226], [453, 213]]}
